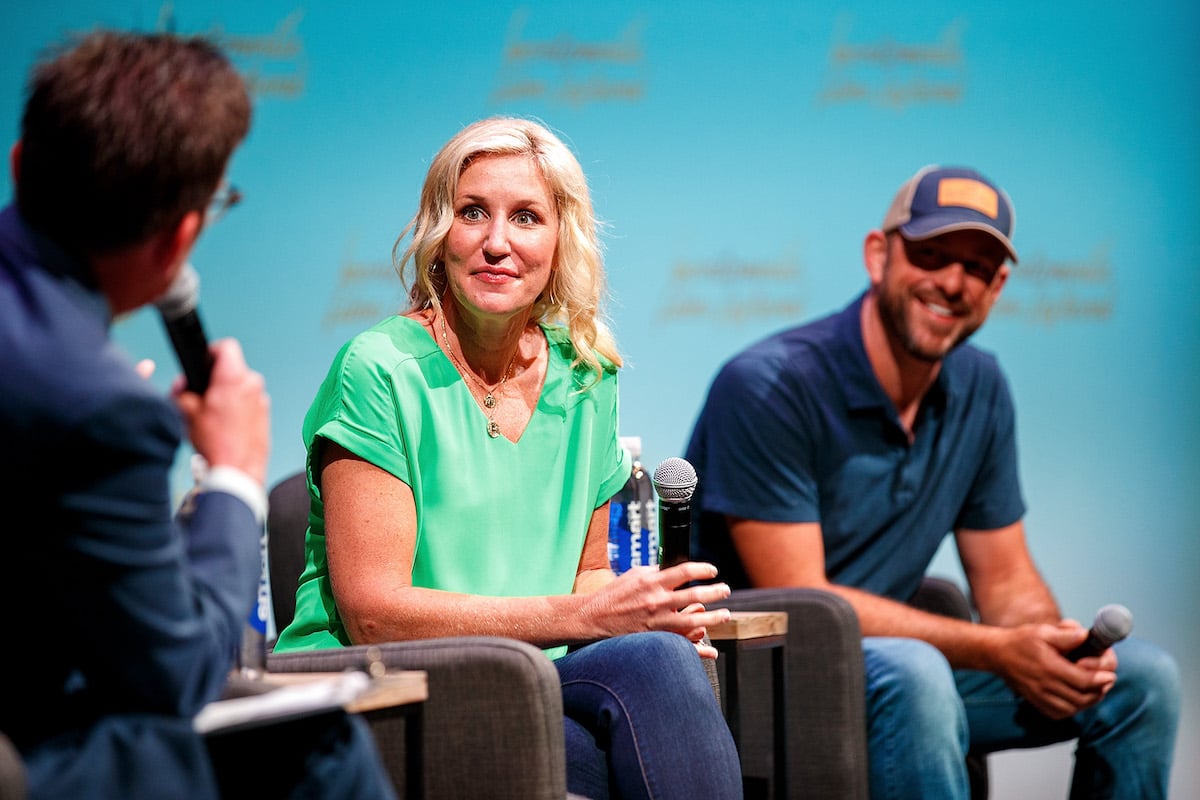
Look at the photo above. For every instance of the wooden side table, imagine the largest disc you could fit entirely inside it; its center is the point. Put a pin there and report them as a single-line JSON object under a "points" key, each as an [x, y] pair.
{"points": [[389, 689], [756, 630]]}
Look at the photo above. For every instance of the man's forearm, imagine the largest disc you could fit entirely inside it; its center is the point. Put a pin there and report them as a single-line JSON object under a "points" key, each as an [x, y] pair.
{"points": [[965, 644], [1016, 602]]}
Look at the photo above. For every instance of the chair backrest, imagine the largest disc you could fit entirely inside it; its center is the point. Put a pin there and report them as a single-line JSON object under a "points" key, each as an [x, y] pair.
{"points": [[287, 522], [941, 596]]}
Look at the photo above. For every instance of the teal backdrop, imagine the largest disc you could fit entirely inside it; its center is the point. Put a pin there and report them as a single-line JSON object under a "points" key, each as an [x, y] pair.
{"points": [[738, 153]]}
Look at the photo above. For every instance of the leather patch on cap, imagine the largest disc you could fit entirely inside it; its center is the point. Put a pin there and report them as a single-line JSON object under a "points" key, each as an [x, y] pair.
{"points": [[969, 193]]}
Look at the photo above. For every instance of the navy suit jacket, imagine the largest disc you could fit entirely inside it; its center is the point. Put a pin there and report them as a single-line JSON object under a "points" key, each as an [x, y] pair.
{"points": [[122, 621]]}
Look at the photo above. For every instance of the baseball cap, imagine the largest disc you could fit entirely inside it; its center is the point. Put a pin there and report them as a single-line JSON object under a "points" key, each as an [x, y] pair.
{"points": [[938, 200]]}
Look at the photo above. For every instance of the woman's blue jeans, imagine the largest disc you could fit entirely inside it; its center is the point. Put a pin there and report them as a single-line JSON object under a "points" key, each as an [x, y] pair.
{"points": [[642, 721], [923, 717]]}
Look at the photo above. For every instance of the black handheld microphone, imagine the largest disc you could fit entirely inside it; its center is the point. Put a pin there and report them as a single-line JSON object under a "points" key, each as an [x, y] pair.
{"points": [[181, 318], [674, 481], [1112, 624]]}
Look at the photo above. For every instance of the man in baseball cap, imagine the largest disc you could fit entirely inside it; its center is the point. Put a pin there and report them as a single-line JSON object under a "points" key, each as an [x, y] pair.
{"points": [[839, 454]]}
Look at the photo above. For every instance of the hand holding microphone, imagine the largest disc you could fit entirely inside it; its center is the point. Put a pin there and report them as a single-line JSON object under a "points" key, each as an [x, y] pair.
{"points": [[1041, 698], [228, 416], [1112, 624], [674, 483]]}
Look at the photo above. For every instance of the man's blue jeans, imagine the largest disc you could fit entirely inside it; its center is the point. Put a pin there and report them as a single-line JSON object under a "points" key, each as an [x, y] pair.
{"points": [[642, 721], [923, 717]]}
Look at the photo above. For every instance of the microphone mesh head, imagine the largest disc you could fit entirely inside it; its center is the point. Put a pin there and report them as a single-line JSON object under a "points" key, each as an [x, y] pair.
{"points": [[1113, 622], [675, 480], [182, 295]]}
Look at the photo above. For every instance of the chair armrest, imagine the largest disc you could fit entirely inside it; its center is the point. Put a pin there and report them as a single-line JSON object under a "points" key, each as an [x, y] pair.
{"points": [[493, 721], [826, 713]]}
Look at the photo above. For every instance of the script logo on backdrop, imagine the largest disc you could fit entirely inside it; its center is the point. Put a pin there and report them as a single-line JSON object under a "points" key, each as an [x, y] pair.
{"points": [[1044, 292], [365, 293], [732, 291], [272, 64], [570, 71], [895, 74]]}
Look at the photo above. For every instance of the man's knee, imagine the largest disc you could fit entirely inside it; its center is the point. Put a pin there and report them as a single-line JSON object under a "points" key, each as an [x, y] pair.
{"points": [[1147, 681], [917, 726], [912, 678]]}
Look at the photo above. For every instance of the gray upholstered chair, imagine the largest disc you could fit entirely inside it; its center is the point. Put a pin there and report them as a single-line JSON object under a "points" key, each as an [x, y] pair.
{"points": [[826, 707], [493, 722]]}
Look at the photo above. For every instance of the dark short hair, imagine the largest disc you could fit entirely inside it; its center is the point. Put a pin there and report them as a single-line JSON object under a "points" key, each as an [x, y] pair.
{"points": [[123, 134]]}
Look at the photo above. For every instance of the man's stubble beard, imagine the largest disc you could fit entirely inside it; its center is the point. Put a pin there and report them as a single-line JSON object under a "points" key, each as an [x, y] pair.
{"points": [[895, 312]]}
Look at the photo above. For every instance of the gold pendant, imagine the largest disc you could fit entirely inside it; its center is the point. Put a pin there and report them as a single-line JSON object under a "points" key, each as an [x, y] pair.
{"points": [[493, 429], [489, 401]]}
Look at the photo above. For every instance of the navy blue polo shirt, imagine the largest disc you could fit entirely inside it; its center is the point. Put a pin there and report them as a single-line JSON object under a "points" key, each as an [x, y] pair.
{"points": [[796, 428]]}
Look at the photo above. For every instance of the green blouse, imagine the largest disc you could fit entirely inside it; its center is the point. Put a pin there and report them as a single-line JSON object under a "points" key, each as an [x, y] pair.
{"points": [[494, 517]]}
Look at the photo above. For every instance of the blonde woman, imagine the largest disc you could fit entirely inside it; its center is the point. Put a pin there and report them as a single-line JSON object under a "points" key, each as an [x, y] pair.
{"points": [[461, 460]]}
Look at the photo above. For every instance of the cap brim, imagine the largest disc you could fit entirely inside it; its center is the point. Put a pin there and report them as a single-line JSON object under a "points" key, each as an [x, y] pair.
{"points": [[930, 226]]}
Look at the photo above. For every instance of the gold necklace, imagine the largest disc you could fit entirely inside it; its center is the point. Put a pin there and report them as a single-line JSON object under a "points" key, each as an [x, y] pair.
{"points": [[489, 398]]}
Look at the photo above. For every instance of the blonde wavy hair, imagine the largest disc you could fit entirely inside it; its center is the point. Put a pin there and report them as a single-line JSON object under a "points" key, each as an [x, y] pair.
{"points": [[572, 298]]}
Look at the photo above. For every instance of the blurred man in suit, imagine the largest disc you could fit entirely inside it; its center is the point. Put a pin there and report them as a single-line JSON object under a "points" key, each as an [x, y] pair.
{"points": [[123, 623], [839, 454]]}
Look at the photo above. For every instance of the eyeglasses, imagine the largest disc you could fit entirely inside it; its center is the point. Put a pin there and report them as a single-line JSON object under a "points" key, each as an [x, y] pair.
{"points": [[928, 256], [226, 197]]}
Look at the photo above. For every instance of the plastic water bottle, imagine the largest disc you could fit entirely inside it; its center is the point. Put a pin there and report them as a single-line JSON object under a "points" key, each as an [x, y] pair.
{"points": [[251, 652], [632, 521]]}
